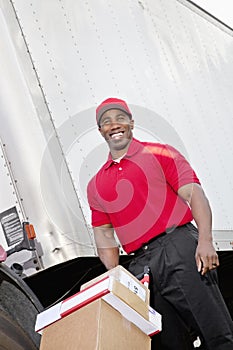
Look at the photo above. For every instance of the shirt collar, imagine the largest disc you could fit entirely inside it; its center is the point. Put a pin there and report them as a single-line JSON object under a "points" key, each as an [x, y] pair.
{"points": [[134, 147]]}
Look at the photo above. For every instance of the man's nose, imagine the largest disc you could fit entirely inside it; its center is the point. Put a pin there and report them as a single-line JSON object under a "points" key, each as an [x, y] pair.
{"points": [[115, 123]]}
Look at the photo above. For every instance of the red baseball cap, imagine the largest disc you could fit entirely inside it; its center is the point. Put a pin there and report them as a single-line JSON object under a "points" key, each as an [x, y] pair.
{"points": [[111, 103]]}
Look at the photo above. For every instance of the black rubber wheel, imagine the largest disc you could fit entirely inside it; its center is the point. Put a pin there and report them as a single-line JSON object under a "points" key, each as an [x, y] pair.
{"points": [[17, 318], [12, 336]]}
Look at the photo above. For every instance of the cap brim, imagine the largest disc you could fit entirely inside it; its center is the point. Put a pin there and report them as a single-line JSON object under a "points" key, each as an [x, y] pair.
{"points": [[111, 106]]}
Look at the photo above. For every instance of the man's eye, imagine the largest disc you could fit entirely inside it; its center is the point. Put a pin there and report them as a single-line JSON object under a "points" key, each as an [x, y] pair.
{"points": [[106, 122], [121, 119]]}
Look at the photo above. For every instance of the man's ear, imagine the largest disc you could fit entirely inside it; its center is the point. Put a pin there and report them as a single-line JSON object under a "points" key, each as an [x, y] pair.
{"points": [[99, 128], [131, 124]]}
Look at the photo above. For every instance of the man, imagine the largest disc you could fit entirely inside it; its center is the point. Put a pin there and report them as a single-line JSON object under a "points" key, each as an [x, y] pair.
{"points": [[149, 194]]}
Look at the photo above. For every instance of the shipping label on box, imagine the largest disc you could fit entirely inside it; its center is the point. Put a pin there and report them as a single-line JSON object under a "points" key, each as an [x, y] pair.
{"points": [[135, 286]]}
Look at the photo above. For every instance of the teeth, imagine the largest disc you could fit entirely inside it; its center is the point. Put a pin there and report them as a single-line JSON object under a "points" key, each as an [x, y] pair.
{"points": [[117, 135]]}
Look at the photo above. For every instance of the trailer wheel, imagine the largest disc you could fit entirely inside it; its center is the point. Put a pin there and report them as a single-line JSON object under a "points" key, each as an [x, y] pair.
{"points": [[12, 335], [18, 311]]}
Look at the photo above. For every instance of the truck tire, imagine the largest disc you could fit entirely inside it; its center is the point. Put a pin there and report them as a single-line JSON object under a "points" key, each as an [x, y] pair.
{"points": [[18, 311], [12, 336]]}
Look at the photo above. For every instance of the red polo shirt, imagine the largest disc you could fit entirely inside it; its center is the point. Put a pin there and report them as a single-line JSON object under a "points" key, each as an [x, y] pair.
{"points": [[138, 196]]}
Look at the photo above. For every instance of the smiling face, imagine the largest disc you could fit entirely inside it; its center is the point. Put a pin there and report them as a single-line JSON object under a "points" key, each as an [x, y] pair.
{"points": [[116, 127]]}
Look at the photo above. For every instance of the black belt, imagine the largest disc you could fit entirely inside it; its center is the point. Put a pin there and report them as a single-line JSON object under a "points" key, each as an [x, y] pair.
{"points": [[145, 246]]}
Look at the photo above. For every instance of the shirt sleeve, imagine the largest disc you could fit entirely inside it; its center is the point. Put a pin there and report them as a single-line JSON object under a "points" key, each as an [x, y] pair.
{"points": [[98, 216], [177, 170]]}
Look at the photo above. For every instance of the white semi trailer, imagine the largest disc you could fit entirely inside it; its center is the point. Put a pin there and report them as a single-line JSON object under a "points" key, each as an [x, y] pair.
{"points": [[170, 60]]}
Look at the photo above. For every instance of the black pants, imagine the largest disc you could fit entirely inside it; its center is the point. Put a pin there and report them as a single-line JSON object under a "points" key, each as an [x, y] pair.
{"points": [[191, 305]]}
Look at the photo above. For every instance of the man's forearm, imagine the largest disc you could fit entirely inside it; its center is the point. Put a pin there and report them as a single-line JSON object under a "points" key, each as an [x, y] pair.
{"points": [[201, 213], [109, 257], [206, 256], [107, 247], [199, 204]]}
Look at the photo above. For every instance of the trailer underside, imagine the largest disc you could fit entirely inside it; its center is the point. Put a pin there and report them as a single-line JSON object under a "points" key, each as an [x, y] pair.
{"points": [[64, 280]]}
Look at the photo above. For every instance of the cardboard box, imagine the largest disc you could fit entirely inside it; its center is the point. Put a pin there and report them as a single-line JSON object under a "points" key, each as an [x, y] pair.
{"points": [[127, 279], [96, 326], [114, 293]]}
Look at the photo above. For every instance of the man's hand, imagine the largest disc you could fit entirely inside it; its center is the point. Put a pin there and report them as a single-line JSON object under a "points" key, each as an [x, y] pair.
{"points": [[206, 257]]}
